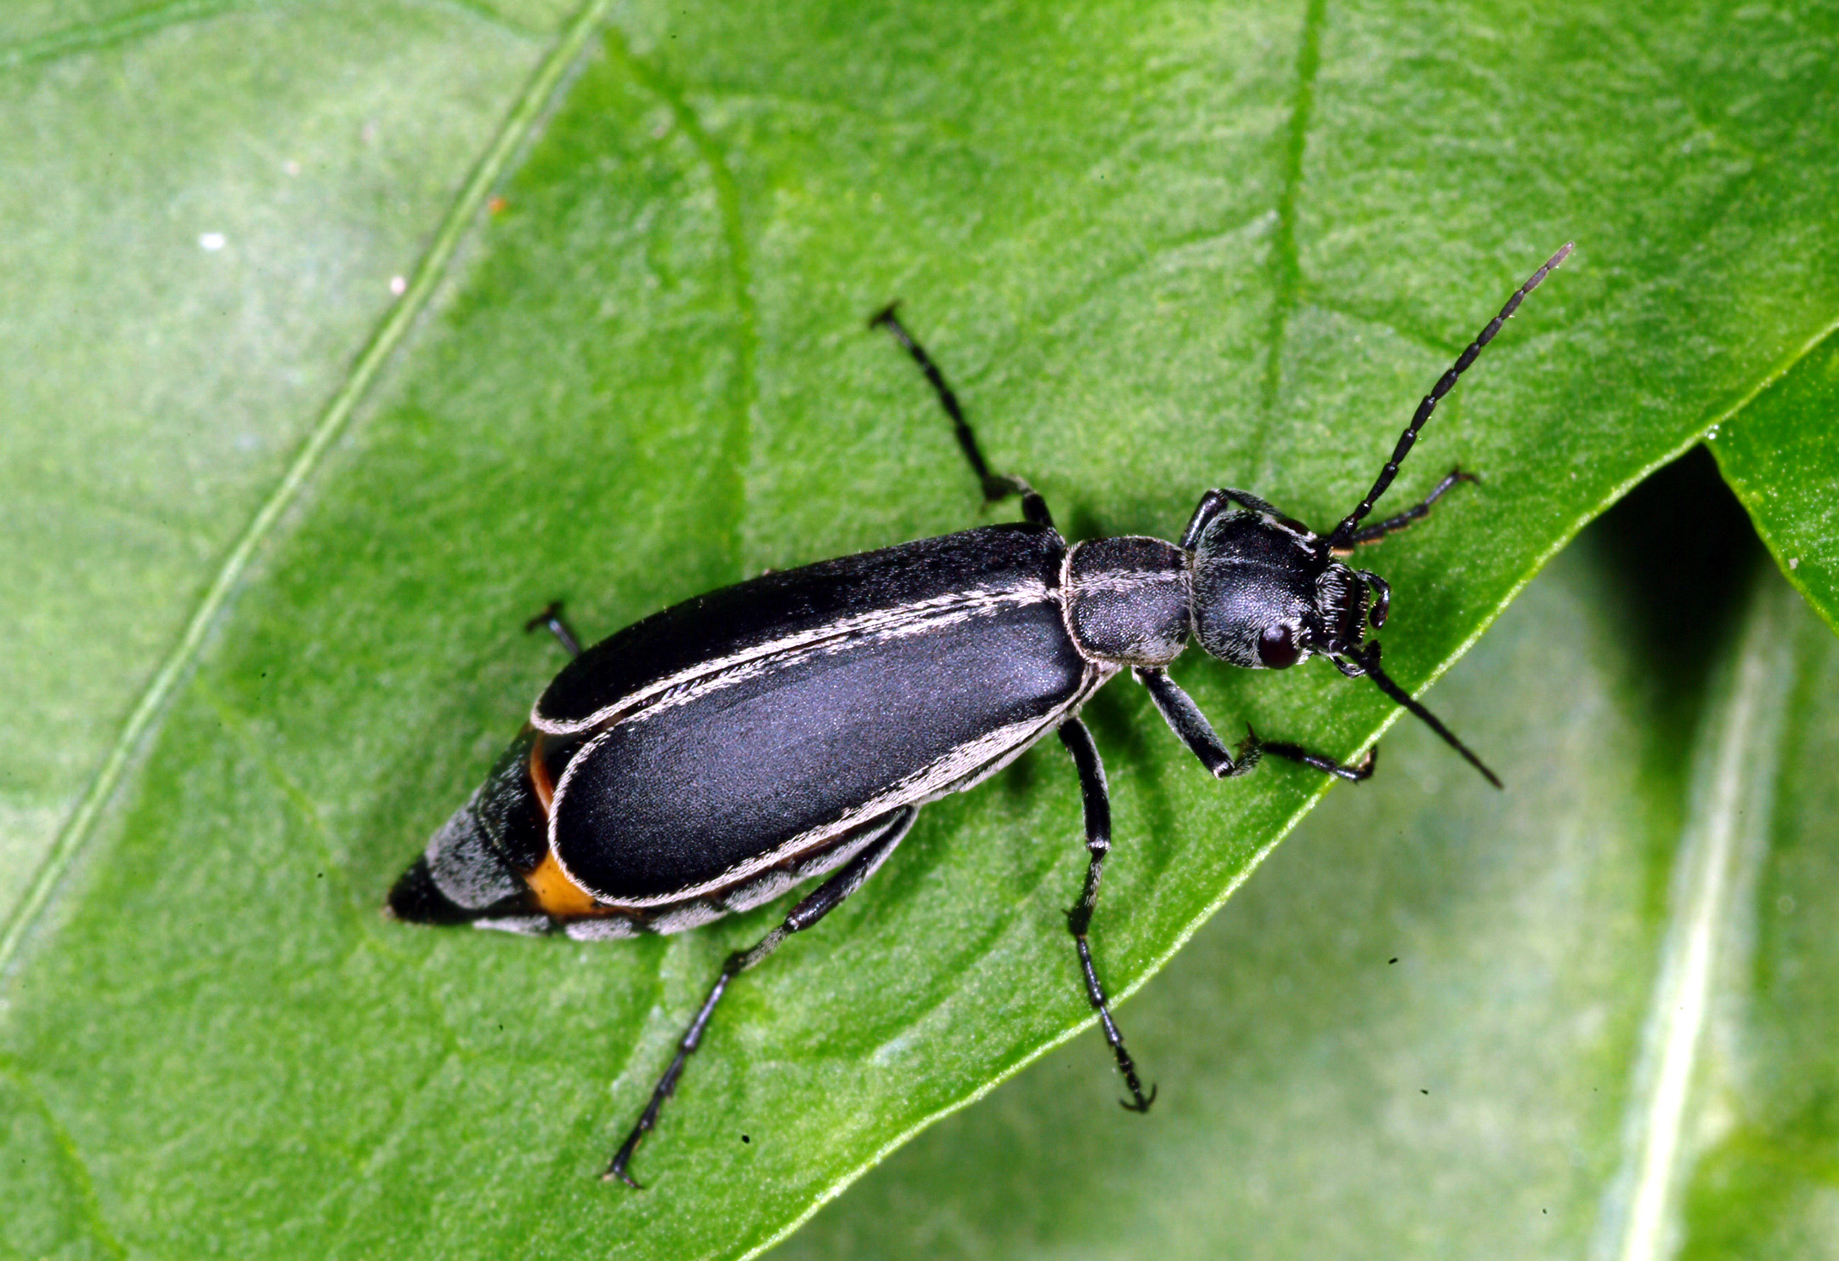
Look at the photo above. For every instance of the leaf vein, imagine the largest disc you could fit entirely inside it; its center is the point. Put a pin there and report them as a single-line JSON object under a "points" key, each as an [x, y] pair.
{"points": [[736, 440], [72, 1158], [1286, 267], [523, 120], [84, 37]]}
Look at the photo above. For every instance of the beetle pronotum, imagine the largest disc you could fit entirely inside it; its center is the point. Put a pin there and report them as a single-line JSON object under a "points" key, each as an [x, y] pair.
{"points": [[710, 757]]}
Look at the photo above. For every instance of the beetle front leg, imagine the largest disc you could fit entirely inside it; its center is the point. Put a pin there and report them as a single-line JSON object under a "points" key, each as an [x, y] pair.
{"points": [[827, 897], [1361, 770], [1417, 512], [1217, 501], [1186, 721], [1097, 799]]}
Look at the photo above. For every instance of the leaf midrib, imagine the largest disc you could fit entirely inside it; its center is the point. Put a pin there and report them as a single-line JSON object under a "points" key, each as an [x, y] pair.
{"points": [[1721, 835], [523, 120]]}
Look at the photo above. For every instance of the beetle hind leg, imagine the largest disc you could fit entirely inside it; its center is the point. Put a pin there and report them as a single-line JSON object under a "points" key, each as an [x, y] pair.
{"points": [[890, 829], [1097, 799], [551, 617]]}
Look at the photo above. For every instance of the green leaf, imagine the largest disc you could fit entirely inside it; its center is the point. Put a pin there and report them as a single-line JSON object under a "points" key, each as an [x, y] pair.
{"points": [[1590, 1019], [205, 213], [1157, 249], [1779, 456]]}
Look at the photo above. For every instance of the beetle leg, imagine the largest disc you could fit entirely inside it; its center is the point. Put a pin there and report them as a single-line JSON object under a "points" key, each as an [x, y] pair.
{"points": [[825, 899], [1417, 512], [552, 618], [995, 485], [1186, 721], [1097, 800], [1361, 770], [1034, 508], [1215, 502]]}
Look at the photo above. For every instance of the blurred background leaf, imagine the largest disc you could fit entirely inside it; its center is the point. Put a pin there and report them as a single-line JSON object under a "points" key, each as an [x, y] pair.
{"points": [[345, 340]]}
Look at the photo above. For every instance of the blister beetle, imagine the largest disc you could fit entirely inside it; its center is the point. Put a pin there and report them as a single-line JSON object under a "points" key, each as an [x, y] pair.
{"points": [[710, 757]]}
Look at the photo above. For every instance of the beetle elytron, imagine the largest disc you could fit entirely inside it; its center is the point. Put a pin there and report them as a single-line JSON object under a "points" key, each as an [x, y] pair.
{"points": [[714, 755]]}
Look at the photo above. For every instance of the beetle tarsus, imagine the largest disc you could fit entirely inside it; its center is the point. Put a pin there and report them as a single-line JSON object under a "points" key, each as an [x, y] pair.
{"points": [[1356, 773], [616, 1171], [1114, 1036], [1141, 1103], [667, 1084]]}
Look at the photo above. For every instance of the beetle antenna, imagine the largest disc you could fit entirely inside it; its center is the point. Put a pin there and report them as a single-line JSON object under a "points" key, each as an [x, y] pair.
{"points": [[1344, 533], [1369, 660]]}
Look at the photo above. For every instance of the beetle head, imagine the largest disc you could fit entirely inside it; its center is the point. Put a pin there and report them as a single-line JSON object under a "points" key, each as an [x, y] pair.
{"points": [[1268, 593]]}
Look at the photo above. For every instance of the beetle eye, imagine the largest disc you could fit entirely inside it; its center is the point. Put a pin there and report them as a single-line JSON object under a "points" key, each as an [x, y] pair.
{"points": [[1278, 648]]}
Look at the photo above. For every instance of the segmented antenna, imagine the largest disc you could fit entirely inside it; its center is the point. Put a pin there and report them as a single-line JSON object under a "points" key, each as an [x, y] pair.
{"points": [[1344, 533]]}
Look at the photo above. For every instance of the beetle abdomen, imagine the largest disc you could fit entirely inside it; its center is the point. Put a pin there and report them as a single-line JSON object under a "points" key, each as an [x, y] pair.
{"points": [[753, 766], [473, 866]]}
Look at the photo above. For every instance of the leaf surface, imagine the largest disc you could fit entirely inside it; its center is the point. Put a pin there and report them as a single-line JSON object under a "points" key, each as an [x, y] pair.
{"points": [[1779, 456], [1156, 249]]}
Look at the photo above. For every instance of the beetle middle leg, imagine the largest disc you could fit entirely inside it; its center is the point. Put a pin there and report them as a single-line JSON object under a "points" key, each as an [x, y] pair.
{"points": [[1097, 801], [825, 899], [995, 485], [1186, 721]]}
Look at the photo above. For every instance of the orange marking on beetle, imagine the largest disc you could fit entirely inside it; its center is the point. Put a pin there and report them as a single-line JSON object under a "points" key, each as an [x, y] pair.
{"points": [[539, 776], [559, 896], [556, 894]]}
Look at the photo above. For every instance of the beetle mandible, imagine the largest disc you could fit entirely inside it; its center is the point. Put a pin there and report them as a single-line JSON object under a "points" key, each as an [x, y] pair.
{"points": [[710, 757]]}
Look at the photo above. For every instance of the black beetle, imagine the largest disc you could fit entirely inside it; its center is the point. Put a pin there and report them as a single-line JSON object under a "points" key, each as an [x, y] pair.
{"points": [[714, 755]]}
